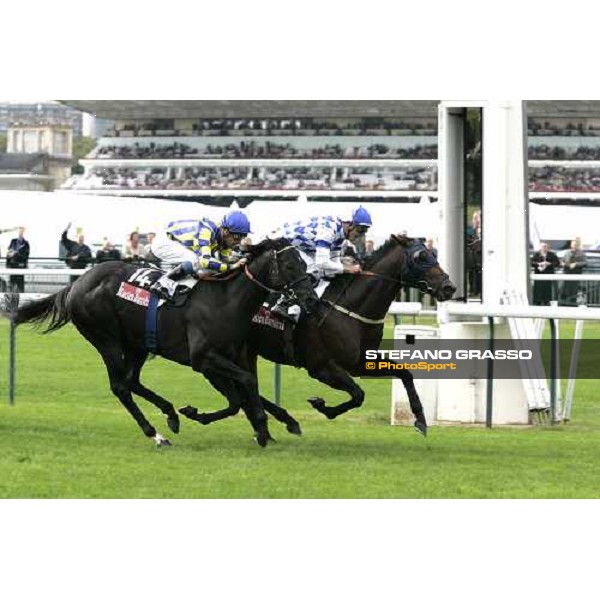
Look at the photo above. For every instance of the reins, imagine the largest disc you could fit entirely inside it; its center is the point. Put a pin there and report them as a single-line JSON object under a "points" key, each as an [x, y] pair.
{"points": [[287, 289]]}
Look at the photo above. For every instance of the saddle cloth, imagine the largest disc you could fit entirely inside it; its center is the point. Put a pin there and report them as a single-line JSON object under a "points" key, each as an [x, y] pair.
{"points": [[137, 288]]}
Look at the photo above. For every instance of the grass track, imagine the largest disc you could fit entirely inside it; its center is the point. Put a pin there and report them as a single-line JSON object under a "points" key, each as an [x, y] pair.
{"points": [[68, 437]]}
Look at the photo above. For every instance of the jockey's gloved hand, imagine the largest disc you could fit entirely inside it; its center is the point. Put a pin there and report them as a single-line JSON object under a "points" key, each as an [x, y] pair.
{"points": [[353, 269], [240, 263]]}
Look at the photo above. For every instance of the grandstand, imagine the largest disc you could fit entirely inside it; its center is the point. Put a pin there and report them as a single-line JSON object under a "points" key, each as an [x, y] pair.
{"points": [[207, 149], [210, 149]]}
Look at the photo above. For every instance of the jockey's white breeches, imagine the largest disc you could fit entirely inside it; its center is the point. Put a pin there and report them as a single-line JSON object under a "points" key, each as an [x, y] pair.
{"points": [[315, 270], [173, 253]]}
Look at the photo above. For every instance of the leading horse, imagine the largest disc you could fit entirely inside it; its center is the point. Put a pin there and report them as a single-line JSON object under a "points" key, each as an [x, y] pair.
{"points": [[331, 347], [207, 333]]}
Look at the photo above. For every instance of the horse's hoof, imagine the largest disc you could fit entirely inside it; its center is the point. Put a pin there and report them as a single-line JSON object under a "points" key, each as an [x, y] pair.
{"points": [[173, 423], [161, 441], [262, 439], [294, 428], [421, 427], [317, 403], [188, 411]]}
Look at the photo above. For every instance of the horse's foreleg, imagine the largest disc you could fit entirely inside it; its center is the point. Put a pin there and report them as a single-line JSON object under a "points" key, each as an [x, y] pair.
{"points": [[219, 368], [413, 397], [225, 387], [275, 411], [336, 378]]}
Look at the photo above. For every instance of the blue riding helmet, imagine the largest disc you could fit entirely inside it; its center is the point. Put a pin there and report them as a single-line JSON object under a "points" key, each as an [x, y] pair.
{"points": [[361, 217], [237, 222]]}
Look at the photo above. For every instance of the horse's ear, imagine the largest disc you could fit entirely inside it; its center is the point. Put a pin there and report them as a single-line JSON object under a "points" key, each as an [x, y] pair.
{"points": [[401, 239]]}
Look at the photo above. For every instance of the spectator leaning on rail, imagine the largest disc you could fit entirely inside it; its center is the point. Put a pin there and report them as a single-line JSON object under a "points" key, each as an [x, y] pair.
{"points": [[320, 241], [134, 251], [17, 257], [544, 262], [79, 255], [107, 252], [147, 252], [200, 247], [573, 264]]}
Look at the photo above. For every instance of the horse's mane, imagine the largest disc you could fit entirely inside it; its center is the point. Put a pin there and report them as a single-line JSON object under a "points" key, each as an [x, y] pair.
{"points": [[379, 253], [267, 244]]}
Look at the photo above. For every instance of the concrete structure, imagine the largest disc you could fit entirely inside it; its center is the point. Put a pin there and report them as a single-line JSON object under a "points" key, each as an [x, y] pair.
{"points": [[504, 257], [49, 111], [38, 157]]}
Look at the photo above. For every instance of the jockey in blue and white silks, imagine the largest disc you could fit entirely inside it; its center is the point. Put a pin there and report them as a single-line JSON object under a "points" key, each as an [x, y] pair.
{"points": [[320, 240]]}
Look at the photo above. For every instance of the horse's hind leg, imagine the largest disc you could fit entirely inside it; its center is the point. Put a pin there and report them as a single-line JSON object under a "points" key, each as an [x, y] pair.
{"points": [[282, 415], [135, 362], [334, 376], [120, 388], [111, 352]]}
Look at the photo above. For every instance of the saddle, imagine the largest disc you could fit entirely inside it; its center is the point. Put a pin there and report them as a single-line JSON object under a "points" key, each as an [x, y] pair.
{"points": [[149, 280]]}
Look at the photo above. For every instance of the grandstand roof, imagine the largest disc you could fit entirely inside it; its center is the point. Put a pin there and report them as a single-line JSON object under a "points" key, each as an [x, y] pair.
{"points": [[231, 109]]}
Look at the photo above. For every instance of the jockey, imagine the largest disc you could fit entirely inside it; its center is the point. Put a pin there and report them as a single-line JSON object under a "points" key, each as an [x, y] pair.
{"points": [[319, 241], [200, 246]]}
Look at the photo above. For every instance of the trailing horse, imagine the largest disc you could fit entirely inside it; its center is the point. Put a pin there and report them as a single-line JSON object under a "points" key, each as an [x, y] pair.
{"points": [[207, 333], [331, 347]]}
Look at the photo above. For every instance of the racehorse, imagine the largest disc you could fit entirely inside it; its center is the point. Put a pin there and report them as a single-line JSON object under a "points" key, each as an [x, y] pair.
{"points": [[331, 347], [207, 333]]}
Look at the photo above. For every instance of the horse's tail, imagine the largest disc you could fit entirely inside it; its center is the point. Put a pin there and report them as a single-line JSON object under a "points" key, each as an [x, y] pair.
{"points": [[53, 308]]}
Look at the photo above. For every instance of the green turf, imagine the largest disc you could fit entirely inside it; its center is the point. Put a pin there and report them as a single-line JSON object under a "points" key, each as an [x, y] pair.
{"points": [[68, 437]]}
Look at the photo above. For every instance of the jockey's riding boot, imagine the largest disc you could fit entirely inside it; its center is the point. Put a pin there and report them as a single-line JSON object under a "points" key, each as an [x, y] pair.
{"points": [[286, 310], [165, 286], [177, 273]]}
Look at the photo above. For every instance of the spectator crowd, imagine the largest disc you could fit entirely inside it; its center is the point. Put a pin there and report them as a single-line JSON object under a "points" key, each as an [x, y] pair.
{"points": [[268, 178], [546, 152], [306, 126], [563, 179], [254, 150]]}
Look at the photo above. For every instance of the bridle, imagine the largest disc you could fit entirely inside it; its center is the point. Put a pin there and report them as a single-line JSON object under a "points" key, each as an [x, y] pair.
{"points": [[409, 265], [288, 290]]}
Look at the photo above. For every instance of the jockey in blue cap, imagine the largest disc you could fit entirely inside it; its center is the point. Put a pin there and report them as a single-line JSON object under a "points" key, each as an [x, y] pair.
{"points": [[319, 241], [201, 246]]}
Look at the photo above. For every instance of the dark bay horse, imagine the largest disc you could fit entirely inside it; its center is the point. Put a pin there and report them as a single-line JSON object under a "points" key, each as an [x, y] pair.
{"points": [[208, 333], [331, 347]]}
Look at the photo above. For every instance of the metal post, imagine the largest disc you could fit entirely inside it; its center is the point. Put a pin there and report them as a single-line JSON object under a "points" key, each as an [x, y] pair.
{"points": [[11, 363], [277, 384], [490, 378], [553, 365], [573, 371]]}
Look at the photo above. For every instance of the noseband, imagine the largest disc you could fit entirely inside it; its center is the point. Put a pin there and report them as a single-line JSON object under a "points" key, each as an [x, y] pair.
{"points": [[410, 265]]}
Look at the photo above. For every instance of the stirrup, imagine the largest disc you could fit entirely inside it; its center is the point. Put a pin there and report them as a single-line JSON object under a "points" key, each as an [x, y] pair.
{"points": [[164, 287]]}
